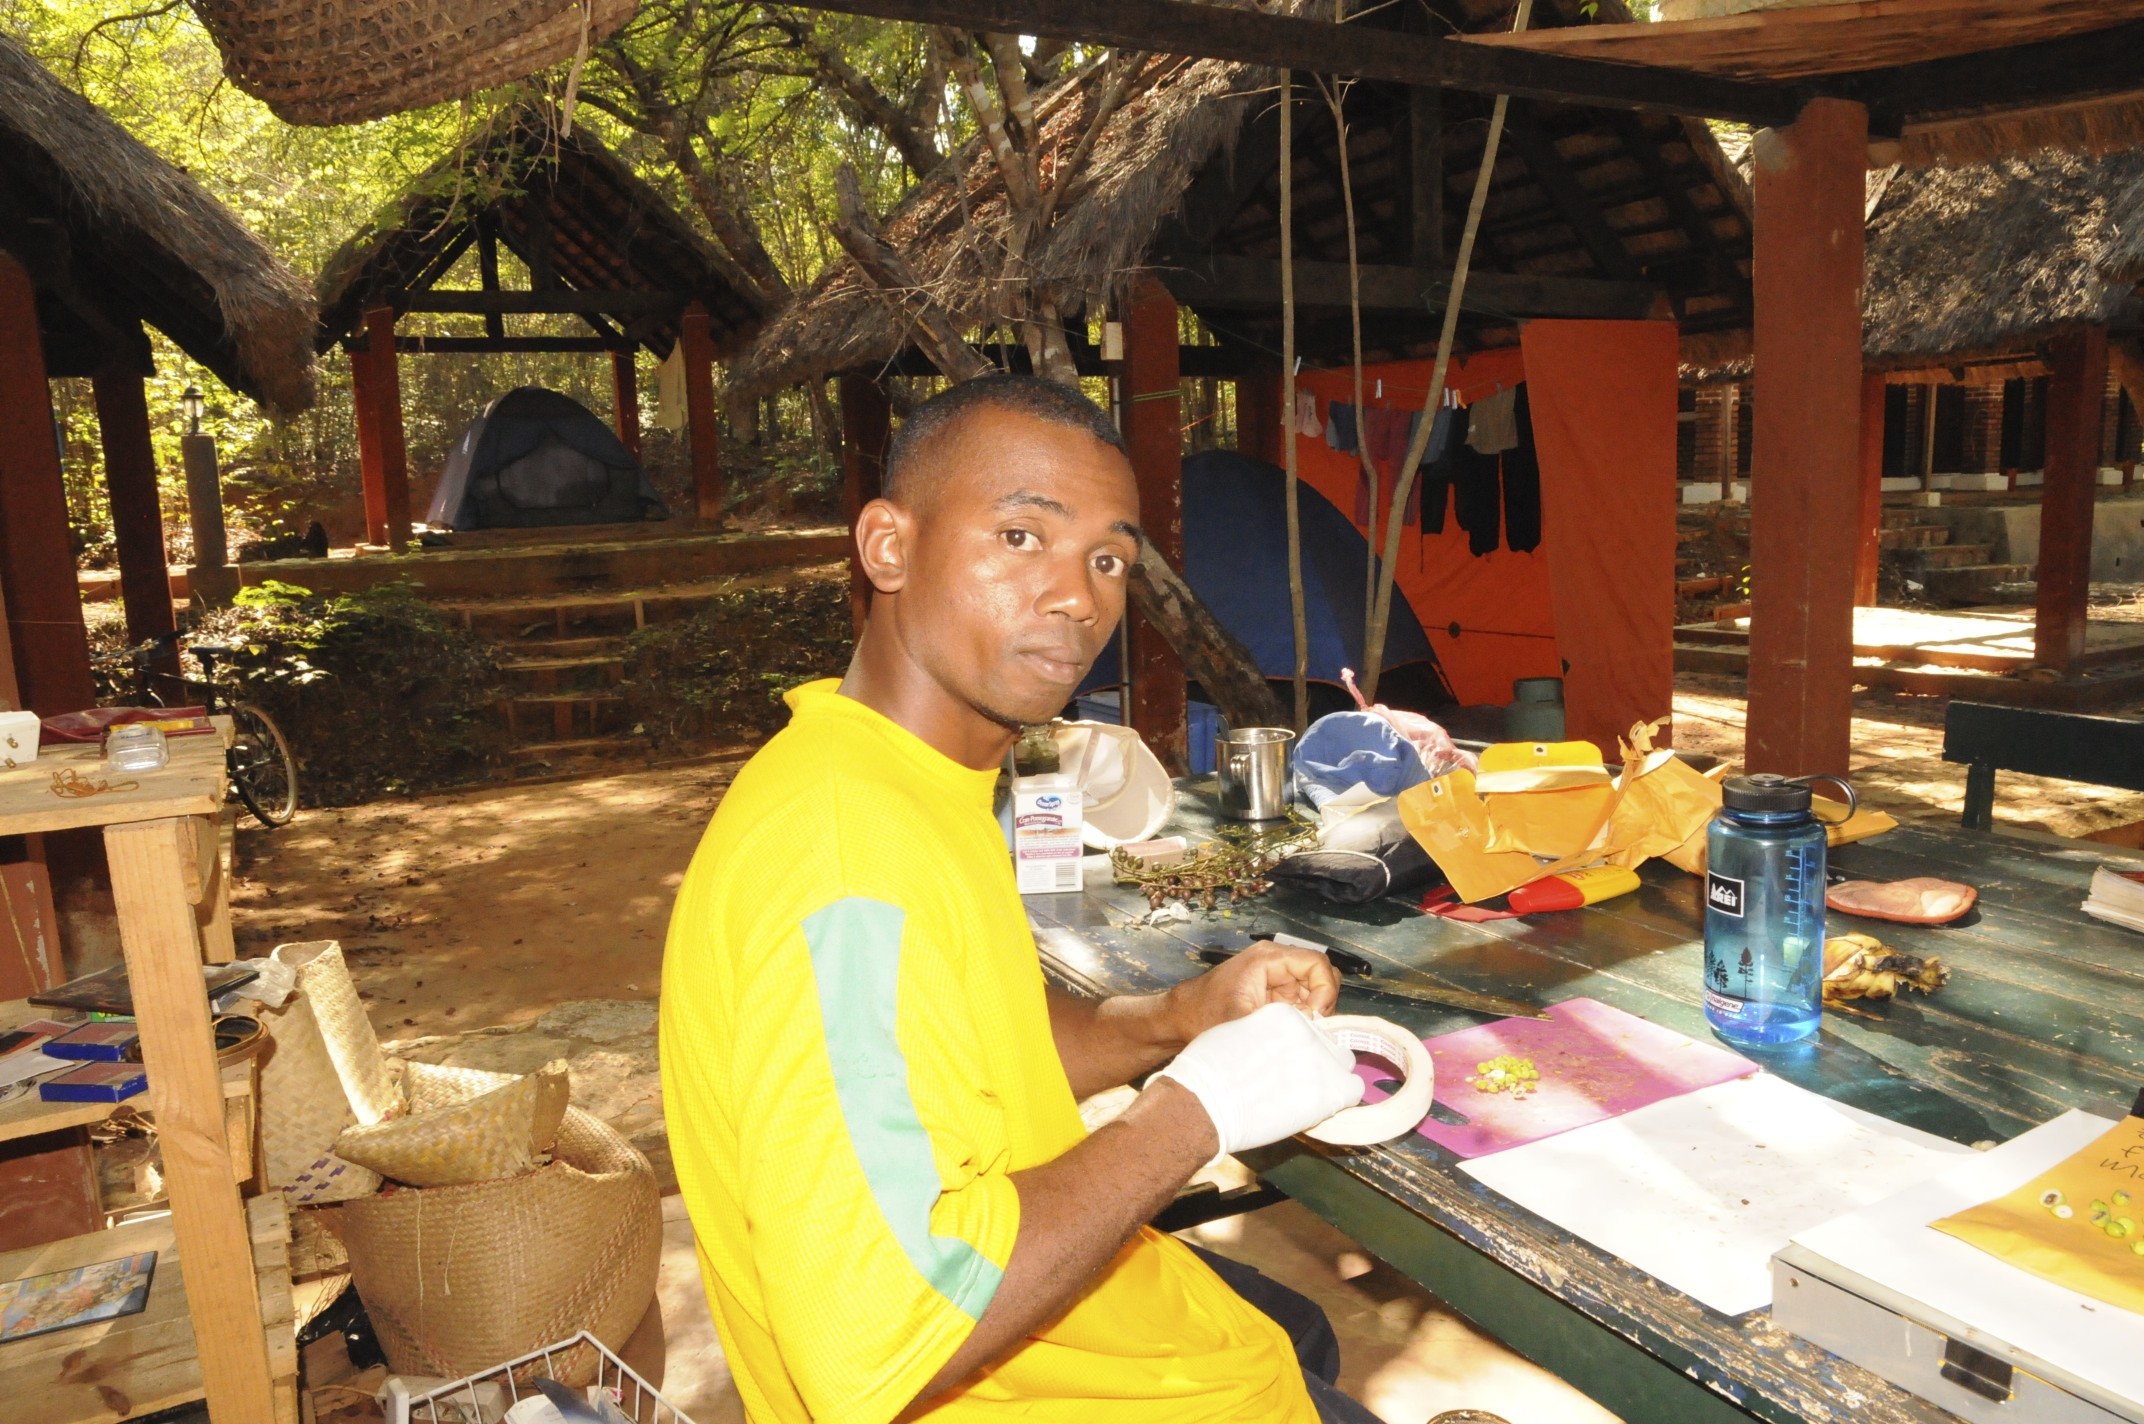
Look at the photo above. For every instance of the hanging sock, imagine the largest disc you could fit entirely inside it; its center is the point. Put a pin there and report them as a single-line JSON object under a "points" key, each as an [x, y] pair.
{"points": [[1306, 416], [1492, 428], [1522, 484], [1340, 427]]}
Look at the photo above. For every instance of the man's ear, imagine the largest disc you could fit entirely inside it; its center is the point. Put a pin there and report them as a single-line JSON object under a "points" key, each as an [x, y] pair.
{"points": [[883, 532]]}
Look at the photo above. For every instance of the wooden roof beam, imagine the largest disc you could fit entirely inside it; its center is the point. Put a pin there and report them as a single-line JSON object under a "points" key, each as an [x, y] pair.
{"points": [[1568, 196], [2098, 64], [1225, 283], [1349, 51], [565, 301]]}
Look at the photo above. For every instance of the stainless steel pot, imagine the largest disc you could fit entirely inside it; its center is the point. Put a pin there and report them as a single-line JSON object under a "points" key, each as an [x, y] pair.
{"points": [[1254, 765]]}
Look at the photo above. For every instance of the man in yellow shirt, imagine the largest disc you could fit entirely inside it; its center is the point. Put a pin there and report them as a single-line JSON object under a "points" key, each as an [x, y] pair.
{"points": [[870, 1090]]}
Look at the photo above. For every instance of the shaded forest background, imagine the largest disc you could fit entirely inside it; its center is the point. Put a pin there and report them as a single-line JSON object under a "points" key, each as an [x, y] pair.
{"points": [[740, 114]]}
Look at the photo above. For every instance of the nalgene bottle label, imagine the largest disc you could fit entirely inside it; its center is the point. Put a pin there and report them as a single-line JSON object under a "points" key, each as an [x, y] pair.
{"points": [[1724, 893]]}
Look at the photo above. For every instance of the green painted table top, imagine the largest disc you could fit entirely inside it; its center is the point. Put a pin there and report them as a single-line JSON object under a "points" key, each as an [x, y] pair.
{"points": [[2044, 1012]]}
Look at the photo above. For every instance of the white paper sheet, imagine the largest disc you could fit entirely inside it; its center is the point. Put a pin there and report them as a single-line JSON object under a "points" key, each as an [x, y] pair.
{"points": [[29, 1063], [1889, 1243], [1700, 1190]]}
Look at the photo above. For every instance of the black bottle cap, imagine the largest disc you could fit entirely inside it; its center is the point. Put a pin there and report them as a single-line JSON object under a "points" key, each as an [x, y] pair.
{"points": [[1766, 791]]}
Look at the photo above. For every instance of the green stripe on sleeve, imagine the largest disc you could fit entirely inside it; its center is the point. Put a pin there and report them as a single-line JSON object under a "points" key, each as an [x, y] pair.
{"points": [[856, 960]]}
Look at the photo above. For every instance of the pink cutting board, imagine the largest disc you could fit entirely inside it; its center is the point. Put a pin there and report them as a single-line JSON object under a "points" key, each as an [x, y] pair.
{"points": [[1596, 1062]]}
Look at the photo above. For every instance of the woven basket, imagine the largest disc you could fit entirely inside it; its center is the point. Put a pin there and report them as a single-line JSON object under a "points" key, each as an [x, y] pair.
{"points": [[501, 1132], [344, 61], [457, 1279], [372, 1089], [303, 1111]]}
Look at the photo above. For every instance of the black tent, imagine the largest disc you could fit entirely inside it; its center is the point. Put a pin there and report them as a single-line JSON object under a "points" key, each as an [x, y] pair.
{"points": [[536, 458]]}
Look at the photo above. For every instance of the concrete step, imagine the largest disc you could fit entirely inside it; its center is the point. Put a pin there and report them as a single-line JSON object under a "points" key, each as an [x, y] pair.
{"points": [[1711, 657], [1942, 556], [1981, 583], [1912, 536]]}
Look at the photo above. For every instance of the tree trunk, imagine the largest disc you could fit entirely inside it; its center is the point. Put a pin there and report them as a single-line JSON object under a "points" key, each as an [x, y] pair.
{"points": [[1212, 657]]}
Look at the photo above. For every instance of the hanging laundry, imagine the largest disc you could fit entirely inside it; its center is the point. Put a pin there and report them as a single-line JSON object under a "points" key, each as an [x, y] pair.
{"points": [[1522, 484], [1491, 427], [1340, 427], [1439, 466], [1306, 416], [1477, 493], [1440, 433], [1386, 434]]}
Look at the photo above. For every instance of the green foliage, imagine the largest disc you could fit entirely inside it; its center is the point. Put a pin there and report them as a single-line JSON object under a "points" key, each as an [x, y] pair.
{"points": [[377, 692], [722, 672]]}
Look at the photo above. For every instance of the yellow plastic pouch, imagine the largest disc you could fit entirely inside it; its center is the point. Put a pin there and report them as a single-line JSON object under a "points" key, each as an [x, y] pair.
{"points": [[2079, 1224]]}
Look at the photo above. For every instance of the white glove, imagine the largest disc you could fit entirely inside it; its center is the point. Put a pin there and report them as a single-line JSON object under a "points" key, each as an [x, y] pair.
{"points": [[1266, 1076]]}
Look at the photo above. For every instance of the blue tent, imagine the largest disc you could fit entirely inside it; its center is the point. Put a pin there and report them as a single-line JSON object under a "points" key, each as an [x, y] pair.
{"points": [[1236, 560]]}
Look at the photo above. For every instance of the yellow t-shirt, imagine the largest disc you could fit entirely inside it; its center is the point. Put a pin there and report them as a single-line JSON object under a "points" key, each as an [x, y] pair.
{"points": [[856, 1054]]}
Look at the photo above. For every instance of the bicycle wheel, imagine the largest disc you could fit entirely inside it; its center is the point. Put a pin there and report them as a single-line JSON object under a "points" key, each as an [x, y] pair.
{"points": [[263, 772]]}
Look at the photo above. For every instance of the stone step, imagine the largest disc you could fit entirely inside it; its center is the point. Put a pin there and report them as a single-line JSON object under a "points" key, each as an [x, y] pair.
{"points": [[1712, 657], [1981, 583], [1912, 536], [1943, 556]]}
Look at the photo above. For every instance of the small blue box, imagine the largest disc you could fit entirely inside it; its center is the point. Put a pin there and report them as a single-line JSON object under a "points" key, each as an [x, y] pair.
{"points": [[95, 1083], [106, 1041], [1202, 724]]}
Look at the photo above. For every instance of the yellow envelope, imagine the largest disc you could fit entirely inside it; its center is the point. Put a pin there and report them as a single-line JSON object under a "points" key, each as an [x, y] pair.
{"points": [[2079, 1224], [1453, 824]]}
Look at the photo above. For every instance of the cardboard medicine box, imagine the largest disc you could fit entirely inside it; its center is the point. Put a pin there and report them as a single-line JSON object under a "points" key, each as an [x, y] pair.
{"points": [[1048, 814]]}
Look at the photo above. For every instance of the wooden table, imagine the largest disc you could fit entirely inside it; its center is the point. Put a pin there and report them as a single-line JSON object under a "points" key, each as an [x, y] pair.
{"points": [[173, 904], [2044, 1012]]}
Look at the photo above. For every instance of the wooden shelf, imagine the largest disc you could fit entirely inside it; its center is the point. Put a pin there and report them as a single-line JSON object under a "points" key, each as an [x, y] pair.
{"points": [[31, 1115], [118, 1369], [189, 784]]}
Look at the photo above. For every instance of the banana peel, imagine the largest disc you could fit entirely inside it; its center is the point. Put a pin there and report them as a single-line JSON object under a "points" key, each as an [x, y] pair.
{"points": [[1859, 966]]}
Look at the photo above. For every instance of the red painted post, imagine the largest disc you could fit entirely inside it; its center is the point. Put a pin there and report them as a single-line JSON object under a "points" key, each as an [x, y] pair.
{"points": [[364, 405], [2076, 378], [1151, 401], [137, 509], [44, 601], [866, 430], [697, 336], [625, 399], [387, 412], [1871, 522], [1805, 475]]}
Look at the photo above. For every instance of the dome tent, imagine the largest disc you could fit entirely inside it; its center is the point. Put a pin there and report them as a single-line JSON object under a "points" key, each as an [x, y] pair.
{"points": [[1236, 560], [537, 458]]}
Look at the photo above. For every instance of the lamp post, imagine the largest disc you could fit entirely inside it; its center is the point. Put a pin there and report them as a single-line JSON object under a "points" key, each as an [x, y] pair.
{"points": [[210, 579]]}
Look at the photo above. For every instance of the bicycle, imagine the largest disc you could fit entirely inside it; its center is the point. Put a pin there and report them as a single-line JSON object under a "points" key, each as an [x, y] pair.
{"points": [[262, 770]]}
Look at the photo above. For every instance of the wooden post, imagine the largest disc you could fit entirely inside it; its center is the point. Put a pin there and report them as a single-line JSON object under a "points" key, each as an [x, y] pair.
{"points": [[866, 430], [699, 343], [625, 399], [371, 459], [387, 412], [37, 574], [1871, 521], [1153, 435], [2076, 378], [137, 509], [1258, 416], [1806, 440], [152, 865]]}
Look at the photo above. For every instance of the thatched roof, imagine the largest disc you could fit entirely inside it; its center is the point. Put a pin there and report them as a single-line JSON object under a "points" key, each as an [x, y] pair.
{"points": [[567, 202], [953, 227], [115, 236], [1636, 202], [1987, 259]]}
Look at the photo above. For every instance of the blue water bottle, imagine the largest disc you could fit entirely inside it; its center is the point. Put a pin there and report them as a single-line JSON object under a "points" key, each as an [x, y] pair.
{"points": [[1764, 910]]}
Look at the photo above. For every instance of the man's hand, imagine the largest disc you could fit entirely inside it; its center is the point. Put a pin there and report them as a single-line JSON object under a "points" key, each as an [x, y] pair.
{"points": [[1266, 1077], [1266, 973]]}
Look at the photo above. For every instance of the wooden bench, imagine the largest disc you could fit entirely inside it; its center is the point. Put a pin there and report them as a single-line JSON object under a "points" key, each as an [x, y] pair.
{"points": [[2103, 751]]}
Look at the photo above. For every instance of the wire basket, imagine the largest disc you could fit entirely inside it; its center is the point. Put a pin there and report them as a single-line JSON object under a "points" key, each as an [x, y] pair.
{"points": [[483, 1397]]}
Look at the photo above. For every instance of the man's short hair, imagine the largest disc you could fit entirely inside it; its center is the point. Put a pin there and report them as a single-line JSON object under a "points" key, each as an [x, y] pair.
{"points": [[942, 414]]}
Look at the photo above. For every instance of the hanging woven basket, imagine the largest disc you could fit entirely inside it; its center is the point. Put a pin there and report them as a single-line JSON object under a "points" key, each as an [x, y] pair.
{"points": [[345, 61]]}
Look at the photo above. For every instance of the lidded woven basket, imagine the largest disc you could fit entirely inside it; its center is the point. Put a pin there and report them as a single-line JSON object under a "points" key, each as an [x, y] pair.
{"points": [[345, 61]]}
